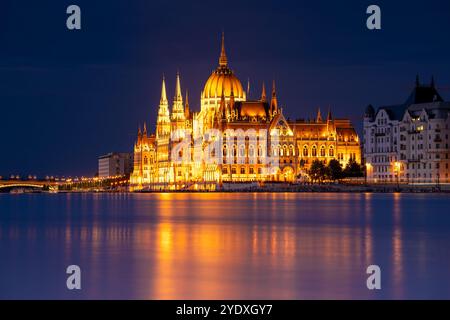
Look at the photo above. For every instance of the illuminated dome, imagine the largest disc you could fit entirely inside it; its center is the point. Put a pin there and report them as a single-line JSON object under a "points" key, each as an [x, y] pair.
{"points": [[223, 80]]}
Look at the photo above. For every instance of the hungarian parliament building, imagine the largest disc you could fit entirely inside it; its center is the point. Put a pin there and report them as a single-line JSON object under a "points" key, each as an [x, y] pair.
{"points": [[234, 139]]}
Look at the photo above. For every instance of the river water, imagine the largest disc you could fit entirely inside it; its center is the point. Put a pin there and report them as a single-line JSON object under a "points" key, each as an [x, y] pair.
{"points": [[225, 245]]}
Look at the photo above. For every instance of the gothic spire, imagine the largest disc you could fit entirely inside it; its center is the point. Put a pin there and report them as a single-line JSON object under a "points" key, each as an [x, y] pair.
{"points": [[223, 61], [222, 109], [263, 93], [274, 101], [319, 116], [163, 100], [186, 108], [178, 96], [329, 116]]}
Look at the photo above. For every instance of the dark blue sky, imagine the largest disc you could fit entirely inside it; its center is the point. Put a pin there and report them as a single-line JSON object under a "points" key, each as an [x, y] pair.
{"points": [[68, 96]]}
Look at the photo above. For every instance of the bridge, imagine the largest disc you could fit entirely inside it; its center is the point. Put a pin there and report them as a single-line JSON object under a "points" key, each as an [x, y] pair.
{"points": [[37, 184]]}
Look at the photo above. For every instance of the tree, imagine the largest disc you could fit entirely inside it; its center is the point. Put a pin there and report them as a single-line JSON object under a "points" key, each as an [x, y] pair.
{"points": [[317, 171], [302, 163], [334, 169], [353, 169]]}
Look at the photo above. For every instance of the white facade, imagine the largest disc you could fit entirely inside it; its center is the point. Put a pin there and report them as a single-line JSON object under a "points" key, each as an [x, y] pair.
{"points": [[409, 143]]}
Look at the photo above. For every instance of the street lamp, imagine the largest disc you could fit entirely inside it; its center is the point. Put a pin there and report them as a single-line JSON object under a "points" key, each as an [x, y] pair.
{"points": [[397, 166], [368, 168]]}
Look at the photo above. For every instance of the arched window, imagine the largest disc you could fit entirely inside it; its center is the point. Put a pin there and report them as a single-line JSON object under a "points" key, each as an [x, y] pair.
{"points": [[305, 151], [234, 150], [145, 160], [322, 151], [225, 151], [331, 151], [292, 151], [285, 150], [251, 151], [314, 151], [280, 151], [241, 150]]}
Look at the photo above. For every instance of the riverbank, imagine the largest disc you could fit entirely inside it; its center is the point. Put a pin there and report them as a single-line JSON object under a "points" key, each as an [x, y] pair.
{"points": [[335, 188], [268, 187]]}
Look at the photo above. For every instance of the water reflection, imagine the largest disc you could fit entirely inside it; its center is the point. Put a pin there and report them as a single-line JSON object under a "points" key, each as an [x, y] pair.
{"points": [[224, 246]]}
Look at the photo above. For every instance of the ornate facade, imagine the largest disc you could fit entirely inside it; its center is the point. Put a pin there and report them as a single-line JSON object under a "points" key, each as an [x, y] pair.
{"points": [[409, 142], [234, 139]]}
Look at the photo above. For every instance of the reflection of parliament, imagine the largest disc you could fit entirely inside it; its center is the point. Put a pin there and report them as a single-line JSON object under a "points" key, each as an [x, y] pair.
{"points": [[224, 106]]}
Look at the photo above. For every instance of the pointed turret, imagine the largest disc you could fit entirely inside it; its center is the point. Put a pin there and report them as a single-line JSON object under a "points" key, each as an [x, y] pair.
{"points": [[177, 106], [223, 61], [163, 93], [139, 136], [145, 130], [329, 116], [273, 101], [263, 93], [222, 108], [232, 98], [187, 111], [319, 116], [163, 120], [248, 87], [178, 88]]}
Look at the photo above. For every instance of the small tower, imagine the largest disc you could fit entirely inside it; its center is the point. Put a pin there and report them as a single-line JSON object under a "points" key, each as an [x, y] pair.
{"points": [[163, 120], [232, 100], [274, 101], [222, 108], [329, 116], [263, 93], [223, 60], [187, 111], [319, 116], [139, 139], [177, 106], [144, 134]]}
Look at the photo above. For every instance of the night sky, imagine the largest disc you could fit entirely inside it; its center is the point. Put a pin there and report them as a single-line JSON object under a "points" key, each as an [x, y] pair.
{"points": [[67, 97]]}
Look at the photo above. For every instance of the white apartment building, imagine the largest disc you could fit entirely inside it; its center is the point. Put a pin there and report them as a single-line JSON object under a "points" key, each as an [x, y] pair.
{"points": [[409, 142], [115, 164]]}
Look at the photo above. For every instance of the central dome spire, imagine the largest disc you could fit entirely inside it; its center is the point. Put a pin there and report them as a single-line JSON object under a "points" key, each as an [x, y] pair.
{"points": [[223, 61], [222, 80]]}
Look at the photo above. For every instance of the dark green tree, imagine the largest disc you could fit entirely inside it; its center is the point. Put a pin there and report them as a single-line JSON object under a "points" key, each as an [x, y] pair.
{"points": [[318, 171], [334, 169], [353, 170]]}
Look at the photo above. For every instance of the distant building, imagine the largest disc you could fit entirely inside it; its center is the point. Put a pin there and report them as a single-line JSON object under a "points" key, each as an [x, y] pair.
{"points": [[115, 164], [409, 142]]}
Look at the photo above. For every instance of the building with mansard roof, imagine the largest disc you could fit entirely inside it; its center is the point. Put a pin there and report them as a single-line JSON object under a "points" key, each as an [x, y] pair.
{"points": [[233, 138], [409, 142]]}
